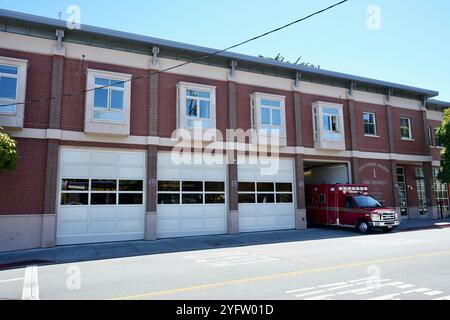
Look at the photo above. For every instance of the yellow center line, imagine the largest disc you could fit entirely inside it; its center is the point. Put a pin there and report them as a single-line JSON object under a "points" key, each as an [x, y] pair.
{"points": [[279, 275]]}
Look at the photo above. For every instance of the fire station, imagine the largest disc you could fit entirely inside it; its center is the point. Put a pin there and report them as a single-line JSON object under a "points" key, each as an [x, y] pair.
{"points": [[94, 111]]}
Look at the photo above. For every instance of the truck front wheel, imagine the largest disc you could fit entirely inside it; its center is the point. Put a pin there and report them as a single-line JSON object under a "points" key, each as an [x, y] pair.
{"points": [[363, 227]]}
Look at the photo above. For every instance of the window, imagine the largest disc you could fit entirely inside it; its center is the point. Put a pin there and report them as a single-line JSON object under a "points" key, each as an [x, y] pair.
{"points": [[370, 126], [402, 190], [430, 136], [330, 120], [440, 191], [265, 192], [268, 114], [405, 128], [108, 102], [13, 74], [438, 142], [421, 193], [191, 192], [196, 106]]}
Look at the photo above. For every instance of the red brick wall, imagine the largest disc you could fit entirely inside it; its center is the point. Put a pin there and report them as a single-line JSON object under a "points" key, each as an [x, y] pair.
{"points": [[73, 107], [372, 144], [39, 81], [377, 175], [243, 93], [168, 101], [408, 147], [22, 191]]}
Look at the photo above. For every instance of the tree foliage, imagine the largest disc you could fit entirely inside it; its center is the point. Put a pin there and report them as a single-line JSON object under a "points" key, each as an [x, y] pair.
{"points": [[8, 152], [280, 58], [443, 135]]}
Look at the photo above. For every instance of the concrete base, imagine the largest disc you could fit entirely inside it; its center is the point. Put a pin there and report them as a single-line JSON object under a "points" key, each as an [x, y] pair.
{"points": [[233, 222], [48, 238], [300, 219], [432, 213], [150, 226], [18, 232]]}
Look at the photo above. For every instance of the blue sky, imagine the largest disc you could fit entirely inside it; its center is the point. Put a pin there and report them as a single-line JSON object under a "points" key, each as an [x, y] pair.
{"points": [[412, 46]]}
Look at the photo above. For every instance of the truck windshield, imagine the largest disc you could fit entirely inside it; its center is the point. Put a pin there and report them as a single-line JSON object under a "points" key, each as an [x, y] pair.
{"points": [[367, 202]]}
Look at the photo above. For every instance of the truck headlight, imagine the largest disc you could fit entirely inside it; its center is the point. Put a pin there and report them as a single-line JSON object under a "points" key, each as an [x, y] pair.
{"points": [[375, 216]]}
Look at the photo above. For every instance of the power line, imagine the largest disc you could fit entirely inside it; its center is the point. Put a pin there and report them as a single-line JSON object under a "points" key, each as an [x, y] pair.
{"points": [[82, 92]]}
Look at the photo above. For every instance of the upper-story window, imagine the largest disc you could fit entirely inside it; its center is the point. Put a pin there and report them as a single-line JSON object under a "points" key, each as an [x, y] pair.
{"points": [[13, 74], [108, 102], [268, 114], [330, 118], [370, 124], [437, 141], [109, 99], [405, 128], [328, 124], [430, 136], [196, 106]]}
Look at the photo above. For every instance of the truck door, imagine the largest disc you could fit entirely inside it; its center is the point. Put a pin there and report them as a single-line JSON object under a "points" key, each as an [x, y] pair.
{"points": [[332, 209], [347, 214]]}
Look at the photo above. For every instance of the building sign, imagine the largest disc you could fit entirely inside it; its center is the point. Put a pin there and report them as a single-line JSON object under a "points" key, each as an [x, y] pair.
{"points": [[377, 176]]}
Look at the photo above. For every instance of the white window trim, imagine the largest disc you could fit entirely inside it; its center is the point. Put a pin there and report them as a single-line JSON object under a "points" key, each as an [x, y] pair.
{"points": [[15, 119], [319, 106], [410, 138], [374, 123], [182, 87], [255, 112], [435, 139], [90, 84]]}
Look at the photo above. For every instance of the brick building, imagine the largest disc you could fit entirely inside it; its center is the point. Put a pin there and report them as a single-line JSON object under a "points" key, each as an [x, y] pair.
{"points": [[96, 133]]}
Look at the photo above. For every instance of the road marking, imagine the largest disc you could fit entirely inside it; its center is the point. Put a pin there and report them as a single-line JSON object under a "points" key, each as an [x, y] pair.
{"points": [[333, 284], [321, 297], [364, 293], [406, 286], [443, 298], [352, 291], [419, 290], [30, 289], [11, 280], [309, 293], [299, 290], [280, 275], [433, 293], [340, 287], [386, 297]]}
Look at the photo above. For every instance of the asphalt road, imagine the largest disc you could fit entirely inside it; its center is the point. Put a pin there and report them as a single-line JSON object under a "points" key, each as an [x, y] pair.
{"points": [[404, 265]]}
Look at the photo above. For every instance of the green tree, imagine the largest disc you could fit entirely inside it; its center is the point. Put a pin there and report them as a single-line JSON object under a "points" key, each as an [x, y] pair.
{"points": [[8, 152], [443, 135], [280, 58]]}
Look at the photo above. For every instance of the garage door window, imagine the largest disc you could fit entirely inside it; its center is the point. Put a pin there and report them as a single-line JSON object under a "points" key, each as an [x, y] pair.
{"points": [[191, 192], [101, 192], [265, 192]]}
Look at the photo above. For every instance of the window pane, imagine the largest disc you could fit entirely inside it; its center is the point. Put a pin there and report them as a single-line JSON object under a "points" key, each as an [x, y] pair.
{"points": [[284, 198], [192, 198], [205, 109], [118, 83], [215, 198], [204, 94], [246, 186], [168, 185], [192, 186], [130, 198], [8, 88], [265, 116], [103, 199], [102, 82], [331, 111], [108, 115], [168, 198], [246, 198], [103, 185], [191, 108], [74, 199], [266, 198], [326, 123], [284, 187], [75, 184], [276, 117], [101, 98], [265, 187], [270, 103], [334, 125], [117, 99], [192, 93], [8, 108], [131, 185], [214, 186], [9, 69]]}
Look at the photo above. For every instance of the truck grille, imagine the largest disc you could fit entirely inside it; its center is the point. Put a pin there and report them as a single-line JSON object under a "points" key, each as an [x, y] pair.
{"points": [[388, 216]]}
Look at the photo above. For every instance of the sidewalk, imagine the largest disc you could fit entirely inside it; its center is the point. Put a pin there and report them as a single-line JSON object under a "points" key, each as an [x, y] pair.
{"points": [[89, 252]]}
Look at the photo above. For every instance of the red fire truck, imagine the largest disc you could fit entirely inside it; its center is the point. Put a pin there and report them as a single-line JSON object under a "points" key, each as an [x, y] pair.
{"points": [[348, 205]]}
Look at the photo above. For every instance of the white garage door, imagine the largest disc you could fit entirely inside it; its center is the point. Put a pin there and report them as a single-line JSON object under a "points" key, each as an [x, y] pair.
{"points": [[191, 198], [266, 202], [101, 196]]}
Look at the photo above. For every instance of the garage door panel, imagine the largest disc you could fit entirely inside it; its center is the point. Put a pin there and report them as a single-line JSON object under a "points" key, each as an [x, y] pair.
{"points": [[130, 172], [130, 212], [72, 156], [102, 226], [75, 171], [191, 212], [214, 211], [79, 213], [169, 212], [133, 159], [130, 225], [103, 213], [102, 172], [168, 174], [214, 175], [73, 227], [107, 158]]}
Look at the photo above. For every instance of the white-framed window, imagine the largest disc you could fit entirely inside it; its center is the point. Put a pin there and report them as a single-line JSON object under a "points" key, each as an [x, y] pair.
{"points": [[430, 136], [370, 124], [108, 102], [196, 106], [328, 125], [13, 74], [436, 140], [330, 119], [268, 114], [405, 128]]}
